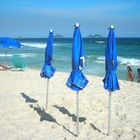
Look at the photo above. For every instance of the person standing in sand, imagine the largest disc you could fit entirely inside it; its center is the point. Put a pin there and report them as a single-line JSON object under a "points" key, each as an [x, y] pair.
{"points": [[138, 75], [130, 75]]}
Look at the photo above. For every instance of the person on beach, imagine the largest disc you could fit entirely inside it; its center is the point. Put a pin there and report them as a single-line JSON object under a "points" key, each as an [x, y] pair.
{"points": [[130, 75], [138, 75], [4, 68]]}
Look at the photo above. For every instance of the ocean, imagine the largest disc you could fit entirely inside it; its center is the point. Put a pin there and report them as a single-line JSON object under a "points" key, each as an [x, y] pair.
{"points": [[128, 50]]}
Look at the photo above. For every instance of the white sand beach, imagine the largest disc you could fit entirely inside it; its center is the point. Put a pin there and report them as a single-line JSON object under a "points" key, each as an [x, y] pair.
{"points": [[22, 114]]}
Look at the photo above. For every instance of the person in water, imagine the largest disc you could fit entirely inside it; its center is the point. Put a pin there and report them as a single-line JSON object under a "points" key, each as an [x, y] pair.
{"points": [[130, 76], [138, 75]]}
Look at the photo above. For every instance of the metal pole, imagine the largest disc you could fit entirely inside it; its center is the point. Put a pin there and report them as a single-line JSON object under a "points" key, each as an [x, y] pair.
{"points": [[77, 110], [47, 91], [109, 113]]}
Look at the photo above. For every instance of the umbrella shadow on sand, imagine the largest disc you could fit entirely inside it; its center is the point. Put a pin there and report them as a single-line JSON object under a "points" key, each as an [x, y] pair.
{"points": [[95, 128], [81, 119], [44, 116], [28, 99], [74, 117]]}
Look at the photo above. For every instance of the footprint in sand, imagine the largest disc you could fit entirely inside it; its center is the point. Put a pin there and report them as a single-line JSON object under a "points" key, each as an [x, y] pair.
{"points": [[123, 117], [134, 135]]}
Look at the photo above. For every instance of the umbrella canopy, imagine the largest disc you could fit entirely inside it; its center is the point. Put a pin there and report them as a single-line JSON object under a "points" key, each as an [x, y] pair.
{"points": [[7, 42], [77, 81], [48, 70], [110, 80]]}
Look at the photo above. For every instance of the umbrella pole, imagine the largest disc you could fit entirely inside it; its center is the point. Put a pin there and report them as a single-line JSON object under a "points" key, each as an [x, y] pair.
{"points": [[47, 91], [77, 110], [109, 113]]}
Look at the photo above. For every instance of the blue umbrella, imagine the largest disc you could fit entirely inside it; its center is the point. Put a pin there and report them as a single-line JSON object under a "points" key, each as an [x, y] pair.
{"points": [[77, 81], [48, 70], [7, 42], [110, 81]]}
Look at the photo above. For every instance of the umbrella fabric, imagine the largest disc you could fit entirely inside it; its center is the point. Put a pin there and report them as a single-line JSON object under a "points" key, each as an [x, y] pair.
{"points": [[48, 70], [7, 42], [110, 80], [77, 81]]}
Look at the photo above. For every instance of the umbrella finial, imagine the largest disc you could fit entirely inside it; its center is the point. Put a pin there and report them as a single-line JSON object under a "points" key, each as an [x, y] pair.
{"points": [[77, 25], [112, 27], [51, 30]]}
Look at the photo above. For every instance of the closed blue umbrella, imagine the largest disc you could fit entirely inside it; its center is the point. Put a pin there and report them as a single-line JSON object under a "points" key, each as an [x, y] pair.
{"points": [[77, 81], [110, 81], [48, 70]]}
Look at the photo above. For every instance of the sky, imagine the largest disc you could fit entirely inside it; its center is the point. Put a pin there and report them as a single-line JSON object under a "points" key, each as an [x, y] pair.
{"points": [[34, 18]]}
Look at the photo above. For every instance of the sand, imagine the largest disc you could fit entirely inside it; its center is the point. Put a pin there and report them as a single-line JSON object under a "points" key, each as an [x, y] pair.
{"points": [[23, 115]]}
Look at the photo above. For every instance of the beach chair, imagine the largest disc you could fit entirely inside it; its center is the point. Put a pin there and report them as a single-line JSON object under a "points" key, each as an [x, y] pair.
{"points": [[18, 62]]}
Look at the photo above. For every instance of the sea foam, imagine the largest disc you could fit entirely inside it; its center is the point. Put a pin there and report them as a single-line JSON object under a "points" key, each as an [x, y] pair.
{"points": [[37, 45], [121, 61], [22, 55]]}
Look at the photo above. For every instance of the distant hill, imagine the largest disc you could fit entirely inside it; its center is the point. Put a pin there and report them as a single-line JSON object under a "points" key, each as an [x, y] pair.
{"points": [[58, 36], [94, 36]]}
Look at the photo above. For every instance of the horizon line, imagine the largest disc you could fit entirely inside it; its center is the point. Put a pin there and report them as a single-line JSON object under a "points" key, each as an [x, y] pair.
{"points": [[68, 37]]}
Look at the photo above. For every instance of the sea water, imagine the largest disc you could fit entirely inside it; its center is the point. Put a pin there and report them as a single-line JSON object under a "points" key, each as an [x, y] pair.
{"points": [[128, 50]]}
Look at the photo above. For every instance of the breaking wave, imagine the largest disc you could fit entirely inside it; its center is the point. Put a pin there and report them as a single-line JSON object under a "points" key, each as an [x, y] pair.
{"points": [[121, 61]]}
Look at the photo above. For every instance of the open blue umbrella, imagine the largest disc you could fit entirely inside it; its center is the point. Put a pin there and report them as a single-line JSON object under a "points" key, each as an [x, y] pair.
{"points": [[48, 70], [77, 81], [7, 42], [110, 81]]}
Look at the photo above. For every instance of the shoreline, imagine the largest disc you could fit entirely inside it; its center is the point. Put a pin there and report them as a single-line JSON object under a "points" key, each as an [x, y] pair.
{"points": [[88, 75]]}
